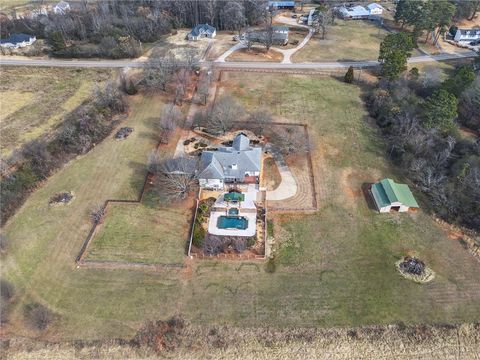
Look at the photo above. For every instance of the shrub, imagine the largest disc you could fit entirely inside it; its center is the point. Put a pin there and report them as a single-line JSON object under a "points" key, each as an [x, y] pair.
{"points": [[198, 235], [38, 316], [3, 243], [202, 145], [349, 75], [270, 266], [7, 291]]}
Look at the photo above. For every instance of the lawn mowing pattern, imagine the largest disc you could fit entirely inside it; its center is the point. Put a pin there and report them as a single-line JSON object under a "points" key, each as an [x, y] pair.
{"points": [[35, 100], [333, 268], [353, 40], [138, 233]]}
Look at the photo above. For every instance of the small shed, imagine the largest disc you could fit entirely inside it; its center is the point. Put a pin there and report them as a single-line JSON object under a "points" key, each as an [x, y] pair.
{"points": [[202, 30], [390, 196], [281, 4]]}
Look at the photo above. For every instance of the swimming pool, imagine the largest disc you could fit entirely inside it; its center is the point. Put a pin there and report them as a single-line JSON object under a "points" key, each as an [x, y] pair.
{"points": [[232, 222], [233, 211]]}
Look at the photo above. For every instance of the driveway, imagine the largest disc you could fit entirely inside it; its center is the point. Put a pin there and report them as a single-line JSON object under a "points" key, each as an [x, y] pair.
{"points": [[288, 186], [287, 54], [227, 53]]}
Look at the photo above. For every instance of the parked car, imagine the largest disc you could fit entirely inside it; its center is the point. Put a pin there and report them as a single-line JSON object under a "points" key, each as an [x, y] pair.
{"points": [[294, 16], [475, 42]]}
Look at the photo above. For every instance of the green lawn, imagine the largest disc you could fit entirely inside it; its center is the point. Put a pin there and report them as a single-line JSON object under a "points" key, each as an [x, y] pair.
{"points": [[345, 41], [142, 234], [334, 268], [34, 100]]}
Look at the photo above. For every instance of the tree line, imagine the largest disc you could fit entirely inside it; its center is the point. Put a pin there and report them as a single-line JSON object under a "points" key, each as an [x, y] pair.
{"points": [[79, 132], [420, 115], [117, 28]]}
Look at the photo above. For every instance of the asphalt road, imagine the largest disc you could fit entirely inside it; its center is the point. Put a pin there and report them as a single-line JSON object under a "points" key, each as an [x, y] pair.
{"points": [[103, 63]]}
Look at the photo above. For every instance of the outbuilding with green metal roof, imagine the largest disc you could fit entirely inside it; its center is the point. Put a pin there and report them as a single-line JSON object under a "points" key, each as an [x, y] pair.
{"points": [[390, 196]]}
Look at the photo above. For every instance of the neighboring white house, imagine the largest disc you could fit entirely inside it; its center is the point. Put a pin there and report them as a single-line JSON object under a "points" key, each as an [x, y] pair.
{"points": [[354, 12], [375, 9], [390, 196], [467, 35], [61, 8], [240, 163], [202, 30], [16, 41]]}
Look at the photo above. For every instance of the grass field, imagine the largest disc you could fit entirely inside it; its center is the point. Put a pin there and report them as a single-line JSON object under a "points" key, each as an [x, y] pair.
{"points": [[333, 268], [34, 101], [346, 41], [141, 234], [256, 53]]}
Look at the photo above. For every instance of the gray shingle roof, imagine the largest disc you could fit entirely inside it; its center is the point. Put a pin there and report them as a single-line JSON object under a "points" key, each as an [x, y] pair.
{"points": [[231, 162], [202, 28]]}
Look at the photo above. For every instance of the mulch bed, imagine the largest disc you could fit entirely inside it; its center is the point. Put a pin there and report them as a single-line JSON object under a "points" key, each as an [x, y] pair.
{"points": [[62, 198], [123, 133]]}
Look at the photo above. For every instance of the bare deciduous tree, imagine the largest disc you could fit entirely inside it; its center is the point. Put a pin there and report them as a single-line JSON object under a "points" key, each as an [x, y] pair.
{"points": [[171, 117], [323, 21], [259, 120], [38, 316], [223, 114], [159, 71], [175, 177], [97, 213], [290, 140]]}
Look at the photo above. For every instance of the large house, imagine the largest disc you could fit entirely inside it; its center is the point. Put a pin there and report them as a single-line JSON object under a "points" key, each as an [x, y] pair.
{"points": [[16, 41], [240, 163], [467, 35], [202, 30], [390, 196]]}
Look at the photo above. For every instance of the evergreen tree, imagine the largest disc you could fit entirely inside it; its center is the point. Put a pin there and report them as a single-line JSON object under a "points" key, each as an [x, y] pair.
{"points": [[349, 75], [56, 41], [394, 52], [440, 110]]}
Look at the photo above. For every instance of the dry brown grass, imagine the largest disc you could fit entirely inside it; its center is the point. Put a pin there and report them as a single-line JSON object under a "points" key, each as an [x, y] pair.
{"points": [[255, 54], [385, 342]]}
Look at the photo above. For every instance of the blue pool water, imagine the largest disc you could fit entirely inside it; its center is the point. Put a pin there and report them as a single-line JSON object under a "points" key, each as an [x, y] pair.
{"points": [[232, 222], [232, 211]]}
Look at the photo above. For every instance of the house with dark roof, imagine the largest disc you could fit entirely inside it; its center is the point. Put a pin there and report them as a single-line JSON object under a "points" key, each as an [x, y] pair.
{"points": [[202, 30], [467, 35], [240, 163], [390, 196], [15, 41]]}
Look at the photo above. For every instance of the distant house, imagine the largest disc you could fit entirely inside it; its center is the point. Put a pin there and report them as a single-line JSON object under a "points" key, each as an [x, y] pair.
{"points": [[354, 12], [390, 196], [16, 41], [239, 163], [279, 35], [467, 35], [281, 4], [61, 8], [375, 9], [202, 30]]}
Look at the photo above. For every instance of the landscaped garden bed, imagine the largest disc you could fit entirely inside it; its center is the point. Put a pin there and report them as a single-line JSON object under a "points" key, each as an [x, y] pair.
{"points": [[61, 198]]}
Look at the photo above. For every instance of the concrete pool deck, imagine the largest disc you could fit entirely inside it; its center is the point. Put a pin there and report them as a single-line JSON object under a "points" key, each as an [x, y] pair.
{"points": [[249, 231]]}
